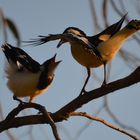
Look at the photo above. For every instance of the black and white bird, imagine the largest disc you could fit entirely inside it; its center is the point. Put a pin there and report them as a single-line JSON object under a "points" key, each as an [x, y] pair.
{"points": [[84, 48], [26, 77], [89, 51]]}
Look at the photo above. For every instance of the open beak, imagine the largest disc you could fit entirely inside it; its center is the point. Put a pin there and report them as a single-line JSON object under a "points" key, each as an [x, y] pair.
{"points": [[55, 62], [53, 65], [60, 43]]}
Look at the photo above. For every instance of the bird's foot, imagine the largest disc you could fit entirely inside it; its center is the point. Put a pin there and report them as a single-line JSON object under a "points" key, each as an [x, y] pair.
{"points": [[20, 101]]}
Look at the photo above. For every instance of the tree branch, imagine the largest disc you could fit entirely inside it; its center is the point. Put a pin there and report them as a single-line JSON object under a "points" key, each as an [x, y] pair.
{"points": [[64, 112], [42, 110], [116, 120], [83, 114]]}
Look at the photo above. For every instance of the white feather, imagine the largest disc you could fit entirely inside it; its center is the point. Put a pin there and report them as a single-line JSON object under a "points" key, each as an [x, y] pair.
{"points": [[21, 83]]}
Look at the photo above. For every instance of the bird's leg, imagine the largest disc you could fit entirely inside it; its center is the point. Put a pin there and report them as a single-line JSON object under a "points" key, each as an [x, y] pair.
{"points": [[15, 98], [31, 98], [104, 82], [88, 76]]}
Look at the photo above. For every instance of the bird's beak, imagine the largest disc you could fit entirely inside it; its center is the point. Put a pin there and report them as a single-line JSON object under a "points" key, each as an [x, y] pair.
{"points": [[55, 63], [58, 62], [60, 43]]}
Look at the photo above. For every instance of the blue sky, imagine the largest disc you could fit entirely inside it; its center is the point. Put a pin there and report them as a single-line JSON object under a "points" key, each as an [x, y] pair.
{"points": [[43, 17]]}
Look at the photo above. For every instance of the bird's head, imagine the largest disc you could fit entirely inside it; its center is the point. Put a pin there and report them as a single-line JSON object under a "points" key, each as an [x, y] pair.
{"points": [[50, 65], [133, 24], [71, 30]]}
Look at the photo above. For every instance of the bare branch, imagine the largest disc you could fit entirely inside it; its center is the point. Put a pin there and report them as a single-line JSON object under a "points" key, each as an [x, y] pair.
{"points": [[9, 134], [51, 122], [99, 92], [116, 120], [87, 124], [64, 112], [83, 114], [42, 110]]}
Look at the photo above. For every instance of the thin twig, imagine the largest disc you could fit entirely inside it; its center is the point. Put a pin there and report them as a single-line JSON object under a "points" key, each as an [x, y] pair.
{"points": [[116, 120], [99, 92], [83, 114], [8, 133], [51, 122], [42, 110], [64, 112], [87, 124]]}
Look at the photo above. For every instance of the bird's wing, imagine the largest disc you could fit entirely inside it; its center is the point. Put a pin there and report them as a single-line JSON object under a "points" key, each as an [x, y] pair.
{"points": [[69, 37], [20, 58], [107, 33], [44, 39], [85, 43]]}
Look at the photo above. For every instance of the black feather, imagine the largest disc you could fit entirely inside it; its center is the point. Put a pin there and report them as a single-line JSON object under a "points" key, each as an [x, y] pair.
{"points": [[44, 80], [111, 30], [18, 55]]}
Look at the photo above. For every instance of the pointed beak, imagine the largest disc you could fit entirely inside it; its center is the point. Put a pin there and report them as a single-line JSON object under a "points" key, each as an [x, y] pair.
{"points": [[53, 58], [52, 65], [55, 62], [60, 43]]}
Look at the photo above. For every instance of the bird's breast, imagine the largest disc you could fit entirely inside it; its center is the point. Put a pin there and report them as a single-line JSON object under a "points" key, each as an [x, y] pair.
{"points": [[23, 83], [85, 57]]}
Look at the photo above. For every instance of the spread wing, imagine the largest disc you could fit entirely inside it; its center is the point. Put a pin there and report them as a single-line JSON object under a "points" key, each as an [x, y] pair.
{"points": [[20, 58], [44, 39]]}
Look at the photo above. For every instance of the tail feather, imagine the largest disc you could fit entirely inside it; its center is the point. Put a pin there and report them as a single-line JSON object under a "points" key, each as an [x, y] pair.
{"points": [[107, 33]]}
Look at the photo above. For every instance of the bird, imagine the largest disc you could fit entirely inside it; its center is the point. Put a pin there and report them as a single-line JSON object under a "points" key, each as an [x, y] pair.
{"points": [[25, 76], [84, 48]]}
